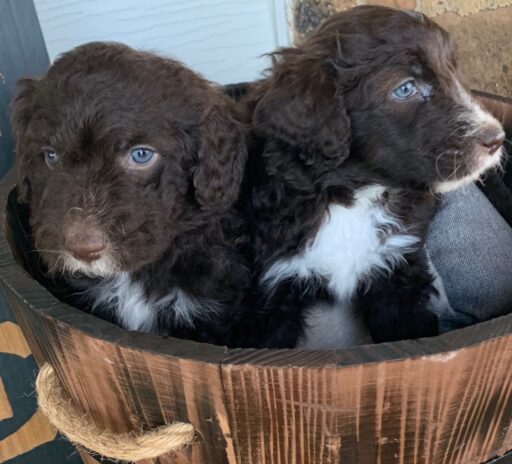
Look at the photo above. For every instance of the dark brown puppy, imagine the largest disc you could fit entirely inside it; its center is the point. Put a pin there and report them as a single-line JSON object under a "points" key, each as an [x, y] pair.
{"points": [[355, 130], [130, 164]]}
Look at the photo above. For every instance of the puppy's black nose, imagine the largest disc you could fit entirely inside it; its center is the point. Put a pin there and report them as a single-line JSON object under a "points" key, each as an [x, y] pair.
{"points": [[492, 138], [85, 244]]}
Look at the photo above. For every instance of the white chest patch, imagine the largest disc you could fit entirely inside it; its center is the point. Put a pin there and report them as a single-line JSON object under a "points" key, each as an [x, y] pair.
{"points": [[352, 243], [349, 246], [136, 312]]}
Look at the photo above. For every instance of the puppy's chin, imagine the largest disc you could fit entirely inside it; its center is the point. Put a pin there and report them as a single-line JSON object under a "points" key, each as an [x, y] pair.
{"points": [[104, 267], [484, 163]]}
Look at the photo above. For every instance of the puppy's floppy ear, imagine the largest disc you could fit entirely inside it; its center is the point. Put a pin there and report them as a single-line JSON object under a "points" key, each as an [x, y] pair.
{"points": [[21, 114], [221, 159], [301, 105]]}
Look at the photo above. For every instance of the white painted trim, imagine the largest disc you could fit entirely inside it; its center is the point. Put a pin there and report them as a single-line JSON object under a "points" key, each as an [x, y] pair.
{"points": [[282, 22]]}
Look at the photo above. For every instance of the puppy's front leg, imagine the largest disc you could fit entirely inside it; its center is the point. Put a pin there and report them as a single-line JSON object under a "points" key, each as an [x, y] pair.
{"points": [[276, 318], [400, 306]]}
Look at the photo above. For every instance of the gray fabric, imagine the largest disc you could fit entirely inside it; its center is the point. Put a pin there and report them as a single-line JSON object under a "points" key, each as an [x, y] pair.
{"points": [[470, 245], [439, 303]]}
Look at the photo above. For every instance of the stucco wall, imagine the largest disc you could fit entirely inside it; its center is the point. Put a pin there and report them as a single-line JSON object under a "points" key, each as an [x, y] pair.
{"points": [[481, 28]]}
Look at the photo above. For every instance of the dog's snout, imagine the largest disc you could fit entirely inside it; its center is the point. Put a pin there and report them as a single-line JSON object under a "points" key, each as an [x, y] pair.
{"points": [[85, 243], [492, 138]]}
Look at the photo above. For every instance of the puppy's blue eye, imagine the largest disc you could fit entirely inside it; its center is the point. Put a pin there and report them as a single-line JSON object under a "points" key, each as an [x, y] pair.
{"points": [[51, 158], [405, 90], [142, 155]]}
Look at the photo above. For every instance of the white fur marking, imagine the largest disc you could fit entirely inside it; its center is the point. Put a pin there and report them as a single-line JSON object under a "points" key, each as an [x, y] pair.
{"points": [[186, 307], [136, 312], [127, 297], [487, 163], [478, 117], [348, 246], [476, 113], [106, 266]]}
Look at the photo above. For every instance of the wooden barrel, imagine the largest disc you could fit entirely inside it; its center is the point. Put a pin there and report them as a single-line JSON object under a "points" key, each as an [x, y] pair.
{"points": [[440, 400]]}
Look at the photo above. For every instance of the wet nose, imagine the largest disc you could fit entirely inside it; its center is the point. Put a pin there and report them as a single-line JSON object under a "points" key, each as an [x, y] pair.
{"points": [[85, 243], [492, 138]]}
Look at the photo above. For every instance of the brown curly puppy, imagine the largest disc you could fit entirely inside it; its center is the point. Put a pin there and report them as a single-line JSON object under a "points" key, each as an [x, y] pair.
{"points": [[130, 164]]}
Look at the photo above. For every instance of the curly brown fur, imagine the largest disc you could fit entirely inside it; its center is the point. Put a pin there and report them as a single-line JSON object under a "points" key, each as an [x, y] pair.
{"points": [[328, 128], [169, 235]]}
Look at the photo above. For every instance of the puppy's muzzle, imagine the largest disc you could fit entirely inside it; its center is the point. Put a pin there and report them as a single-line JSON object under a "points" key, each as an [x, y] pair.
{"points": [[84, 242]]}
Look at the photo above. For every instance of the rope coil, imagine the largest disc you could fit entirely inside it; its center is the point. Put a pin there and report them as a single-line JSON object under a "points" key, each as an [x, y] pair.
{"points": [[79, 429]]}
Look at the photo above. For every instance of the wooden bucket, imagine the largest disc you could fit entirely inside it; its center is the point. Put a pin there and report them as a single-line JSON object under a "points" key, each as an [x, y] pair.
{"points": [[441, 400]]}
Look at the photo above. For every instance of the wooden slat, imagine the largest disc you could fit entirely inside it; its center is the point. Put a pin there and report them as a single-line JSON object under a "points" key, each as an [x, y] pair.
{"points": [[448, 408], [124, 389]]}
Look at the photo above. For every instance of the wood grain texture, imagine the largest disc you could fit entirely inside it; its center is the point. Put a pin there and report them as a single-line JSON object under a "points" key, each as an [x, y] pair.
{"points": [[453, 407], [222, 39], [442, 400]]}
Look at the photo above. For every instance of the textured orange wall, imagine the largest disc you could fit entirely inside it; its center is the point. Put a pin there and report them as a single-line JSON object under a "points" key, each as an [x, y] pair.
{"points": [[481, 28]]}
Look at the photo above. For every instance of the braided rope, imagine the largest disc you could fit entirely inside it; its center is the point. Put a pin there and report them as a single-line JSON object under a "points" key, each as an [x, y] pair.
{"points": [[79, 429]]}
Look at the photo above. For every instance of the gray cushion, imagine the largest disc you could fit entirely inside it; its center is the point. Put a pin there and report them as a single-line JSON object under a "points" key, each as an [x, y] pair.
{"points": [[470, 245]]}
